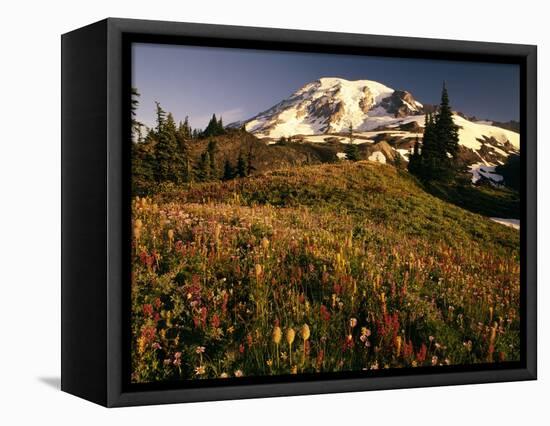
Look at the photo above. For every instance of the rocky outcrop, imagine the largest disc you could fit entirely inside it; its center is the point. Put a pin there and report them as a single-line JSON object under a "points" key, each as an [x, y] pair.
{"points": [[401, 104]]}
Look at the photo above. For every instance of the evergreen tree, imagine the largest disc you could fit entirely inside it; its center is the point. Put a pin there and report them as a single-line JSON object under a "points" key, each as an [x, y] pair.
{"points": [[184, 130], [169, 157], [446, 129], [161, 116], [241, 166], [351, 150], [212, 148], [187, 170], [137, 126], [228, 172], [414, 165], [397, 161], [282, 141], [439, 157], [350, 134], [214, 127], [250, 161], [143, 164], [182, 136], [134, 103], [203, 167]]}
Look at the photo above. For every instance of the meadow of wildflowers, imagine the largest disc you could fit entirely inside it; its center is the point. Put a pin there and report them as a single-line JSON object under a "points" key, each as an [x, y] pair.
{"points": [[325, 268]]}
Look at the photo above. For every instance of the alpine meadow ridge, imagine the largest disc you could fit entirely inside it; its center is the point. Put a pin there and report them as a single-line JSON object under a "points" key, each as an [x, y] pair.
{"points": [[349, 227]]}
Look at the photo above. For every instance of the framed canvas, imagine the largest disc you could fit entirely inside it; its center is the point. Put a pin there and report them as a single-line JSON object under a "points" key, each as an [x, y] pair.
{"points": [[253, 212]]}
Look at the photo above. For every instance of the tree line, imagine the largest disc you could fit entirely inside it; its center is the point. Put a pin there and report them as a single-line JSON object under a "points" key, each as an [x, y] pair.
{"points": [[436, 157], [163, 153]]}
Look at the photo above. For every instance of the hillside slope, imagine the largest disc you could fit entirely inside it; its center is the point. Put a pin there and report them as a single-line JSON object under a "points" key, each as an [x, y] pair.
{"points": [[383, 275]]}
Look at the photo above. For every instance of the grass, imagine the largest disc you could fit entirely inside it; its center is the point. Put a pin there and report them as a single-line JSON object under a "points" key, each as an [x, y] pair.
{"points": [[323, 268], [482, 199]]}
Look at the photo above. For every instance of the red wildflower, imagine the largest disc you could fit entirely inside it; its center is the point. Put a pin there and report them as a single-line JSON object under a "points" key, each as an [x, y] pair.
{"points": [[215, 321], [147, 310], [348, 343], [204, 316], [325, 314], [421, 355], [320, 357], [148, 333], [224, 303]]}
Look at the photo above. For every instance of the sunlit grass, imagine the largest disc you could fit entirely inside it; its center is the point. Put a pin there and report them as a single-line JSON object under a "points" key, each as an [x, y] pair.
{"points": [[317, 269]]}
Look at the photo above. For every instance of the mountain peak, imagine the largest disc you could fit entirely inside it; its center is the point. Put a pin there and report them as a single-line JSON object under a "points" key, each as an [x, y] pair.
{"points": [[331, 105]]}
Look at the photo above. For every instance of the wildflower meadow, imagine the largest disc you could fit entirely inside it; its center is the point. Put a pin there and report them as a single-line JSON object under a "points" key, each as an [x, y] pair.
{"points": [[325, 268]]}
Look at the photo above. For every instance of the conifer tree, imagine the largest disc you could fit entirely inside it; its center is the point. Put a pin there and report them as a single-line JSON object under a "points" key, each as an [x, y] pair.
{"points": [[414, 165], [187, 170], [137, 126], [134, 103], [351, 150], [214, 127], [439, 157], [241, 166], [446, 129], [143, 164], [168, 153], [212, 149], [161, 116], [250, 161], [203, 167], [182, 136], [228, 172]]}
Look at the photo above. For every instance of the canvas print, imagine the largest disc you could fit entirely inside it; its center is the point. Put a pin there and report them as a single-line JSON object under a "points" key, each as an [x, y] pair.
{"points": [[319, 214]]}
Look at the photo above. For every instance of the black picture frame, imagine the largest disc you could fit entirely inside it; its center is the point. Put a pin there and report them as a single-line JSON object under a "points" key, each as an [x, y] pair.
{"points": [[95, 207]]}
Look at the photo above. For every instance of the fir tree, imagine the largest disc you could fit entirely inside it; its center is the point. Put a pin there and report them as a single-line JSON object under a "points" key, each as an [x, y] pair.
{"points": [[241, 166], [203, 167], [143, 164], [228, 172], [439, 157], [414, 165], [214, 127], [161, 116], [137, 126], [169, 157], [351, 150], [134, 103], [187, 170], [212, 149], [182, 136], [184, 130], [446, 129], [397, 161], [250, 161]]}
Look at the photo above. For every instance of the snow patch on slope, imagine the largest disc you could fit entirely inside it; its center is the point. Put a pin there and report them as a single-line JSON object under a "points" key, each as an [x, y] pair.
{"points": [[378, 157], [484, 170], [512, 223]]}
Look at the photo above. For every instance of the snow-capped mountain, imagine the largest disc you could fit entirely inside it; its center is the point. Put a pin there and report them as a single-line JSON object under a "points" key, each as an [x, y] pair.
{"points": [[330, 105], [323, 110]]}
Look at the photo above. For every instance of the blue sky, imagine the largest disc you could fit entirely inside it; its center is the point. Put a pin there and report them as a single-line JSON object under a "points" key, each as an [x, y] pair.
{"points": [[239, 83]]}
